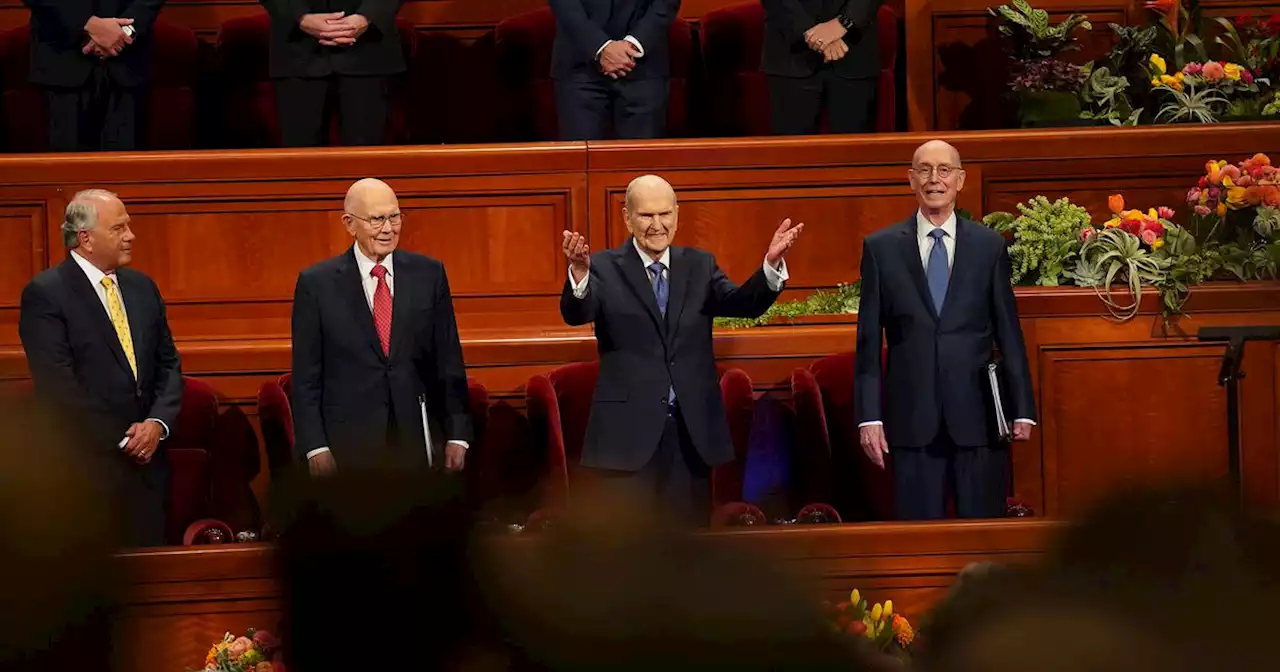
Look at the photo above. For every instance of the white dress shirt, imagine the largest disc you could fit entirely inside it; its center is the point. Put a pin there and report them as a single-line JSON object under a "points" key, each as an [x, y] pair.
{"points": [[95, 276], [775, 277], [628, 38], [370, 285], [926, 243]]}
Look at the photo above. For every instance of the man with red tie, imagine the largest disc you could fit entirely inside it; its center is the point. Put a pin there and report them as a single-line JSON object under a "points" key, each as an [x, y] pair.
{"points": [[378, 376]]}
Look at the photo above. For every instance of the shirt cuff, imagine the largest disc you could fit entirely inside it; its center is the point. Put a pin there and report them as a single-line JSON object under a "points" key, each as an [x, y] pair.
{"points": [[601, 49], [1029, 422], [636, 42], [869, 423], [317, 451], [464, 444], [579, 288], [163, 426], [776, 276]]}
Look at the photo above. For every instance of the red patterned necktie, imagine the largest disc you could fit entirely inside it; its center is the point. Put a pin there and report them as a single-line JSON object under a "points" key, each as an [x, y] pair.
{"points": [[382, 308]]}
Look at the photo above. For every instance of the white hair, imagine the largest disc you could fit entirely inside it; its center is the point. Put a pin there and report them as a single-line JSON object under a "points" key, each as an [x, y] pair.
{"points": [[81, 215]]}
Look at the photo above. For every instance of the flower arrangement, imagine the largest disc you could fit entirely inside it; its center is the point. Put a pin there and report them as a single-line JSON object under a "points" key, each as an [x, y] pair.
{"points": [[889, 633], [1046, 86], [1237, 207], [1046, 238], [256, 651]]}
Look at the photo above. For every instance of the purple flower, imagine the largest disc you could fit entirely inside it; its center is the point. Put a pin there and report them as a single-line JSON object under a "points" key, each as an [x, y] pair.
{"points": [[1048, 74]]}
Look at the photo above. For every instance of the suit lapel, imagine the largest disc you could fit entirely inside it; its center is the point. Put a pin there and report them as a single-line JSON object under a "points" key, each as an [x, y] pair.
{"points": [[678, 274], [909, 247], [89, 301], [351, 286], [960, 265], [134, 302], [400, 309], [633, 271]]}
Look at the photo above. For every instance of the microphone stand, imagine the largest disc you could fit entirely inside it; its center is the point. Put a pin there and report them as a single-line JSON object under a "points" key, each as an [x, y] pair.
{"points": [[1229, 376]]}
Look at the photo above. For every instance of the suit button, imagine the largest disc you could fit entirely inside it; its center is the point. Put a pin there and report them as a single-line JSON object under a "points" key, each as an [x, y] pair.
{"points": [[673, 362]]}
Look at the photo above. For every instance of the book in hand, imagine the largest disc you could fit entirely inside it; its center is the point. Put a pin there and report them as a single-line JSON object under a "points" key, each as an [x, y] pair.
{"points": [[1004, 429]]}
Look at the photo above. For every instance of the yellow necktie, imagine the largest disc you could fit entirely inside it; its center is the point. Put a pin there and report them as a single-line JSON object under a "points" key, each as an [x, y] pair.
{"points": [[116, 310]]}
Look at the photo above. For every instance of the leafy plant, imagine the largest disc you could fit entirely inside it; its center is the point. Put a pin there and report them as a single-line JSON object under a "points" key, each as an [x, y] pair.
{"points": [[1046, 239], [1191, 106], [1032, 35], [1116, 256], [843, 300], [1103, 95]]}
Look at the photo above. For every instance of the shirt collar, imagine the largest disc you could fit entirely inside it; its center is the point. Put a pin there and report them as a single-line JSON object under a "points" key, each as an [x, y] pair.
{"points": [[924, 226], [365, 264], [665, 259], [92, 272]]}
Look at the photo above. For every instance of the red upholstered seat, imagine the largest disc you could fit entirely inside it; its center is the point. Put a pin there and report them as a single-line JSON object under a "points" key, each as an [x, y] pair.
{"points": [[171, 109], [739, 407], [524, 42], [276, 420], [738, 93], [248, 96], [446, 68], [827, 431], [222, 444]]}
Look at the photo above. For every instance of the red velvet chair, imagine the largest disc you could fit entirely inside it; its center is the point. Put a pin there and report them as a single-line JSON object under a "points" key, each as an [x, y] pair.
{"points": [[738, 93], [826, 430], [466, 75], [171, 108], [248, 96], [524, 43]]}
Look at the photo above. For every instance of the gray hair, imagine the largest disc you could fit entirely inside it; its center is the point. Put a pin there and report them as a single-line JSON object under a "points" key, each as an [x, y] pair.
{"points": [[81, 215]]}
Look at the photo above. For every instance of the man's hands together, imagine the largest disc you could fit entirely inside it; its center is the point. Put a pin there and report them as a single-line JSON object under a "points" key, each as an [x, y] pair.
{"points": [[107, 36], [827, 38], [143, 440], [334, 29], [618, 58]]}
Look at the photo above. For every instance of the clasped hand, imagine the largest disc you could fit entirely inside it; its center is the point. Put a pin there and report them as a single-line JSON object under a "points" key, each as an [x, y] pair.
{"points": [[106, 37], [618, 58], [334, 29], [827, 38]]}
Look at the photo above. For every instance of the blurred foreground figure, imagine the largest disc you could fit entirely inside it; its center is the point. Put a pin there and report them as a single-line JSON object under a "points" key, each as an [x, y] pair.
{"points": [[1160, 582], [59, 528]]}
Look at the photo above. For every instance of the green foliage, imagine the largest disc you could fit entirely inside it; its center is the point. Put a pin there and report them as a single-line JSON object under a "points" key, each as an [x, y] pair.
{"points": [[1115, 256], [1046, 239], [841, 301], [1103, 97], [1190, 105], [1032, 35]]}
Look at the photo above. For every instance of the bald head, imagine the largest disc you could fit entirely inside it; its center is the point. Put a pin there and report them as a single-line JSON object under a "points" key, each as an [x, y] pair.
{"points": [[936, 150], [651, 213], [372, 216], [937, 179]]}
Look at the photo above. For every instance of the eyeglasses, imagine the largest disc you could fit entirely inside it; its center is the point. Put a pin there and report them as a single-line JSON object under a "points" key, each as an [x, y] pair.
{"points": [[394, 219], [943, 172]]}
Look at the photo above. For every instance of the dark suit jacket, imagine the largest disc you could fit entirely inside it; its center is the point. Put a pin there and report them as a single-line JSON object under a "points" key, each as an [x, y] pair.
{"points": [[786, 54], [57, 35], [294, 53], [344, 387], [76, 360], [937, 363], [642, 354], [583, 26]]}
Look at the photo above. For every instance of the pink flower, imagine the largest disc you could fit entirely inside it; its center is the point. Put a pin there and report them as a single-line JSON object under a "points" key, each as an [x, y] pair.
{"points": [[1151, 226], [1149, 236], [1204, 181], [1213, 71], [1193, 196], [238, 647], [1193, 68], [1165, 212], [1202, 210], [265, 640], [1214, 192], [1246, 77], [1087, 233], [1244, 180]]}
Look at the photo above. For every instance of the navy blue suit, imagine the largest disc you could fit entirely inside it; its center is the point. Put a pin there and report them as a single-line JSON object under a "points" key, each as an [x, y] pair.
{"points": [[932, 396]]}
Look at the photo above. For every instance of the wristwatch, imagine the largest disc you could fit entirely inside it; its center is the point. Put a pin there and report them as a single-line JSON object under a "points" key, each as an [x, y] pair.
{"points": [[845, 21]]}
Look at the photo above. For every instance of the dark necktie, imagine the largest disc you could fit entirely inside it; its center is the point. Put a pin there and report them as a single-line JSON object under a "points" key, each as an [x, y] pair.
{"points": [[382, 308], [661, 293], [938, 270]]}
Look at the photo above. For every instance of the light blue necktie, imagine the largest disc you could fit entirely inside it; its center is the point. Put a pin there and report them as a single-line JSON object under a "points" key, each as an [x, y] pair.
{"points": [[661, 293], [938, 271]]}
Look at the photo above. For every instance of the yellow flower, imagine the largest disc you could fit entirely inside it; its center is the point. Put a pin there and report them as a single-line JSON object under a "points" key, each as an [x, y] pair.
{"points": [[1235, 196], [876, 612], [1112, 223], [1222, 209], [1157, 244], [1226, 181], [1158, 63], [855, 597], [888, 608], [1171, 82], [1155, 81], [1152, 214], [1232, 71]]}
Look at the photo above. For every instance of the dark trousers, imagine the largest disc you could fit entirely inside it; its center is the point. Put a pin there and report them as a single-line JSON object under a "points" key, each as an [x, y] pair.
{"points": [[676, 482], [922, 478], [100, 115], [636, 109], [795, 104], [144, 490], [362, 110]]}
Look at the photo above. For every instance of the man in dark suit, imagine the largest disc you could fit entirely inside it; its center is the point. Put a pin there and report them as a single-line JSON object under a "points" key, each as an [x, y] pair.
{"points": [[93, 60], [99, 349], [378, 377], [816, 50], [351, 44], [610, 63], [657, 421], [937, 288]]}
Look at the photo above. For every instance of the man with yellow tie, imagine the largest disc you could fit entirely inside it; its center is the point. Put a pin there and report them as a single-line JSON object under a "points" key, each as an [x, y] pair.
{"points": [[99, 349]]}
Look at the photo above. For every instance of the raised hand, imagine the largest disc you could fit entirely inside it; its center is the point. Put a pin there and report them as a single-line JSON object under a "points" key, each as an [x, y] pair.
{"points": [[783, 239], [578, 253]]}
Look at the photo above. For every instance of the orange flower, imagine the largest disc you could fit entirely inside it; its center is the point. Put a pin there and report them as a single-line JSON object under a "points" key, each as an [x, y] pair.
{"points": [[1116, 203], [902, 631]]}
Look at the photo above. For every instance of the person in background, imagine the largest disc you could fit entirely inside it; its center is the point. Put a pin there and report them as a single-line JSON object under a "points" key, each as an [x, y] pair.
{"points": [[352, 45], [657, 422], [99, 348], [610, 64], [820, 52], [93, 60], [936, 287], [378, 376]]}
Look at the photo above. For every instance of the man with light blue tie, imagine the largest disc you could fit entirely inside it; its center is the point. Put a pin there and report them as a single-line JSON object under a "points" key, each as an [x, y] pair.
{"points": [[657, 422], [937, 288]]}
